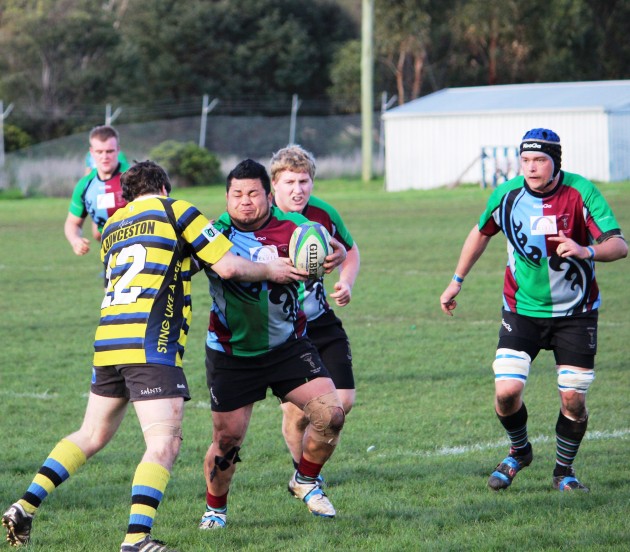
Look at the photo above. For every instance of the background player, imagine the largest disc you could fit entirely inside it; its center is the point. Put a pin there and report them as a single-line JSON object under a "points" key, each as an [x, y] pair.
{"points": [[557, 225], [98, 194], [292, 173]]}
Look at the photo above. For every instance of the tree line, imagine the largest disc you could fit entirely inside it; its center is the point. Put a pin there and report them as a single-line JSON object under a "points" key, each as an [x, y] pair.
{"points": [[62, 61]]}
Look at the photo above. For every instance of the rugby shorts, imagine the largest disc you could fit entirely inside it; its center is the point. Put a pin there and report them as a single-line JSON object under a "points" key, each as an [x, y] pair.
{"points": [[327, 334], [237, 381], [140, 382], [573, 339]]}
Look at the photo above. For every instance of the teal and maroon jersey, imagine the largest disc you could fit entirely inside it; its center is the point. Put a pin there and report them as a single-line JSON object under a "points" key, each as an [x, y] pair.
{"points": [[98, 198], [538, 282], [316, 210], [252, 318]]}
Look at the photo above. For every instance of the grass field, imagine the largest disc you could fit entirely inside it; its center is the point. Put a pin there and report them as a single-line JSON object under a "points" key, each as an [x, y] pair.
{"points": [[411, 470]]}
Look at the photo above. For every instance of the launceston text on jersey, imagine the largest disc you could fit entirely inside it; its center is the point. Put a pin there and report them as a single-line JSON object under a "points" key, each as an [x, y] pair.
{"points": [[125, 232]]}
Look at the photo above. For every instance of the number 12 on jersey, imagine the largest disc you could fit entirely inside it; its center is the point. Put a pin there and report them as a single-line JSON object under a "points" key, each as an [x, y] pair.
{"points": [[131, 260]]}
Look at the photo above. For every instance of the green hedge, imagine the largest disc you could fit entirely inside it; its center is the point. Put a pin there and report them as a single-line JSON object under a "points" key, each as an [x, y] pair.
{"points": [[187, 164]]}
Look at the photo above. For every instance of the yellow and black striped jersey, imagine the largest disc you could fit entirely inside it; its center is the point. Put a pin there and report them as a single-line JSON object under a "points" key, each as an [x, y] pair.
{"points": [[147, 247]]}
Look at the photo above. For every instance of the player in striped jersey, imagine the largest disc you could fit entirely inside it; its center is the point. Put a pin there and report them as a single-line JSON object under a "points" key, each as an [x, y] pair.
{"points": [[98, 194], [292, 173], [148, 248], [557, 225], [256, 341]]}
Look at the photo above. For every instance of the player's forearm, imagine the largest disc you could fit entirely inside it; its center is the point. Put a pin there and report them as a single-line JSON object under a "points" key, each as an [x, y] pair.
{"points": [[473, 248], [349, 269], [72, 231], [611, 250], [233, 267]]}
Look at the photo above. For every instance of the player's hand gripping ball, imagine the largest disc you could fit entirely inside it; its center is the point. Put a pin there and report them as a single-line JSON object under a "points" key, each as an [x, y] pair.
{"points": [[309, 247]]}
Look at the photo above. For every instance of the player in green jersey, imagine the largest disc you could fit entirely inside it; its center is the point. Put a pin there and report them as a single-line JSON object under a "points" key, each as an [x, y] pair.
{"points": [[98, 194], [292, 173], [148, 248], [557, 225]]}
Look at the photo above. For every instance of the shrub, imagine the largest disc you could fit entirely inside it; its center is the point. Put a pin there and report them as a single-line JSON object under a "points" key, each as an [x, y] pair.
{"points": [[187, 164], [15, 138]]}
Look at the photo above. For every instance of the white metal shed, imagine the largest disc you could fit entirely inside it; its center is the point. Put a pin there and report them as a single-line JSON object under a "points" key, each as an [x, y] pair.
{"points": [[437, 140]]}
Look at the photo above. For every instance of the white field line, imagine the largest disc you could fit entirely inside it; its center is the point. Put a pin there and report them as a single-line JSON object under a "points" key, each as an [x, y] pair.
{"points": [[442, 451], [46, 396], [477, 447]]}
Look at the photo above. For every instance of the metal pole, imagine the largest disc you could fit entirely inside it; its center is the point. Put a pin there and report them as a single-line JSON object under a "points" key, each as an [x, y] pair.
{"points": [[205, 109], [367, 92], [109, 117], [204, 117], [295, 105], [3, 115]]}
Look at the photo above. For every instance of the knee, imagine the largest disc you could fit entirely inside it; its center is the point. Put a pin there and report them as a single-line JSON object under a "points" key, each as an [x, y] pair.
{"points": [[226, 440], [337, 420], [575, 410], [326, 417], [507, 403], [91, 440], [163, 440]]}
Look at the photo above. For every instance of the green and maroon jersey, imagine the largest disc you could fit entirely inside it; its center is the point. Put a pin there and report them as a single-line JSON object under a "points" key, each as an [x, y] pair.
{"points": [[538, 282], [252, 318], [316, 210], [98, 198]]}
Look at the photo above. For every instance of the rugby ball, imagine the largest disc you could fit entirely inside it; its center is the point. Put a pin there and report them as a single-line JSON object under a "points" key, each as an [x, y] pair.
{"points": [[309, 247]]}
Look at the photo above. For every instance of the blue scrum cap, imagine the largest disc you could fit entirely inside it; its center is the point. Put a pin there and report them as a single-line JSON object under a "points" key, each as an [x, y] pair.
{"points": [[543, 140]]}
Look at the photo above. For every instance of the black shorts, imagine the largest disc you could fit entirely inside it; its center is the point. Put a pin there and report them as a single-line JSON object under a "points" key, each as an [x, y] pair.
{"points": [[235, 382], [140, 382], [331, 340], [573, 339]]}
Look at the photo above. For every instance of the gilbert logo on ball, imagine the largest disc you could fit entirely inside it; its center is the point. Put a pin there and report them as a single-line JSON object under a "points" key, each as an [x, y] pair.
{"points": [[309, 246]]}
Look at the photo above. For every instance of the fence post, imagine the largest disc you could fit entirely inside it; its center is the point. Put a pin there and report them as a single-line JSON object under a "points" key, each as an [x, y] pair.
{"points": [[109, 117], [205, 109], [295, 105], [3, 115]]}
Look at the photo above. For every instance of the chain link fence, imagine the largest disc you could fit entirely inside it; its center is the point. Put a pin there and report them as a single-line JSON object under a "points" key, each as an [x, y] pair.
{"points": [[53, 168]]}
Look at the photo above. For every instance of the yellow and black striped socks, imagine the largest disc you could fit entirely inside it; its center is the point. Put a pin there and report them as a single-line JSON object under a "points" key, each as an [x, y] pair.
{"points": [[149, 484], [63, 461]]}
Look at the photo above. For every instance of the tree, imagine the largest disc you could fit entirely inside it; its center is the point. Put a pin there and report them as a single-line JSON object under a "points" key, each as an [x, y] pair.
{"points": [[58, 57], [402, 39], [232, 49], [345, 75], [489, 32], [584, 40]]}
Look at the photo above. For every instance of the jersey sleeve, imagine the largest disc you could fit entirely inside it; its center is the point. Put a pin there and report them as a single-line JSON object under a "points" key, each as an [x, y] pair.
{"points": [[340, 231], [124, 163], [601, 221], [295, 218], [490, 220], [77, 207], [488, 224], [209, 244]]}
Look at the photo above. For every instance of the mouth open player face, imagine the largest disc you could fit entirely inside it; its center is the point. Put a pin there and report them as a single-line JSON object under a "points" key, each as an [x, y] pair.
{"points": [[292, 191]]}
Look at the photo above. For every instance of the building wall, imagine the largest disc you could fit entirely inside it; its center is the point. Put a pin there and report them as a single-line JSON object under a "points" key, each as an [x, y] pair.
{"points": [[619, 146], [430, 151]]}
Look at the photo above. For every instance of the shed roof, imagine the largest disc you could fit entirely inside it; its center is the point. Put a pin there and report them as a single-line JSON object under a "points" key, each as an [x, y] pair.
{"points": [[606, 96]]}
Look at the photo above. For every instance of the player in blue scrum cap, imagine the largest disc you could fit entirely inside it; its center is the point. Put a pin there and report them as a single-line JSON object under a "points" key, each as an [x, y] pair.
{"points": [[557, 225]]}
